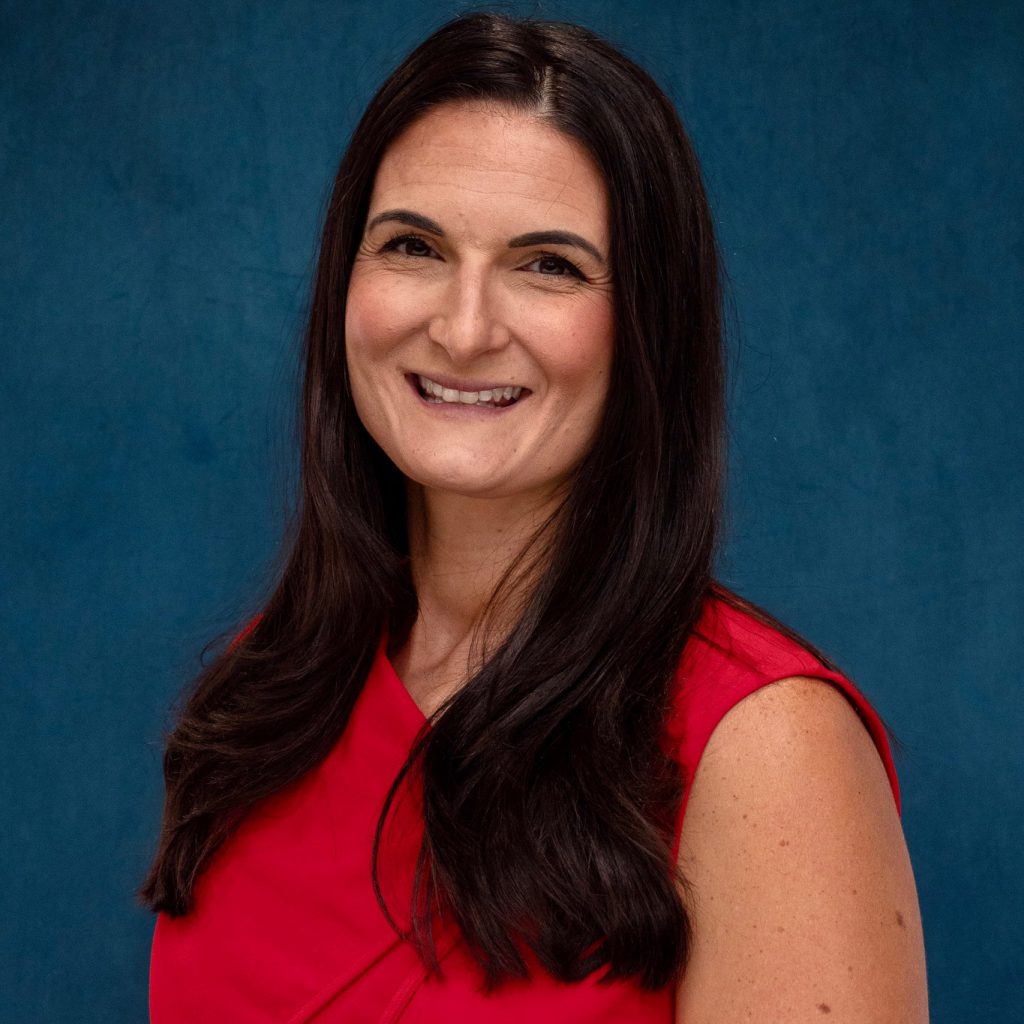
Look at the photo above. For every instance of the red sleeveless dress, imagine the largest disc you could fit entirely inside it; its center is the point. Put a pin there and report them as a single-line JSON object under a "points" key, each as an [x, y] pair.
{"points": [[286, 928]]}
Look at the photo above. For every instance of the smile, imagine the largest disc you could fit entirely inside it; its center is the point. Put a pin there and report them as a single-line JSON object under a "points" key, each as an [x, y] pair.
{"points": [[496, 396]]}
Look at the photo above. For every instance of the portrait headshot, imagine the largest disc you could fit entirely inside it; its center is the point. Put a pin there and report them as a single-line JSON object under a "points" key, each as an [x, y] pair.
{"points": [[513, 511]]}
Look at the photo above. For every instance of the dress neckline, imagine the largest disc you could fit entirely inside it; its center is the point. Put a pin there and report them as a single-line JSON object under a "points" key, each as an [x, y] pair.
{"points": [[399, 698]]}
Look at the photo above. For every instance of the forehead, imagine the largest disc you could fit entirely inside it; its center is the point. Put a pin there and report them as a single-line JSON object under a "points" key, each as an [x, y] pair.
{"points": [[467, 163]]}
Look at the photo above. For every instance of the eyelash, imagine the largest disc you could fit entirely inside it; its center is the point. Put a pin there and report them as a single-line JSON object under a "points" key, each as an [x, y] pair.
{"points": [[392, 244]]}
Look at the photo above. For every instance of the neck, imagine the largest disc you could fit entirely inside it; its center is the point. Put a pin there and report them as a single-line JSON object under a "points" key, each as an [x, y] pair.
{"points": [[459, 549]]}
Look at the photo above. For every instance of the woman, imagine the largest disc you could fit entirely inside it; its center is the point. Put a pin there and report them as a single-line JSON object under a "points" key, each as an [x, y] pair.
{"points": [[442, 776]]}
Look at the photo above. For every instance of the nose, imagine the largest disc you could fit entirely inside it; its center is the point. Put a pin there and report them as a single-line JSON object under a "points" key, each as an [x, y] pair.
{"points": [[466, 323]]}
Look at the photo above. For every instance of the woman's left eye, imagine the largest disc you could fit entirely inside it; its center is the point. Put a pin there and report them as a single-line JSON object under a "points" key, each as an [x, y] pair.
{"points": [[558, 263]]}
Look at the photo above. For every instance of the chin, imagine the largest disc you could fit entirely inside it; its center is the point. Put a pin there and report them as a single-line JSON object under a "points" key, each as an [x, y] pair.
{"points": [[459, 480], [467, 486]]}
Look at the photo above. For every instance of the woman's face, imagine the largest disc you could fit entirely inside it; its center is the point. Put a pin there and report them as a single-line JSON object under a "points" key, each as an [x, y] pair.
{"points": [[483, 267]]}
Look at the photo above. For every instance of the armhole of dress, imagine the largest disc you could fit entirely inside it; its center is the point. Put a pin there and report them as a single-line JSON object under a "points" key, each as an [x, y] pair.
{"points": [[861, 705]]}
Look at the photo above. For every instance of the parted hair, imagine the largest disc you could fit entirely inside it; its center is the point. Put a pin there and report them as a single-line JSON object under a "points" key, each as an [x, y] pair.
{"points": [[549, 805]]}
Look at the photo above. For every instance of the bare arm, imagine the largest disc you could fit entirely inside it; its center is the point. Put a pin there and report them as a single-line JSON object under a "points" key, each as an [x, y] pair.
{"points": [[805, 907]]}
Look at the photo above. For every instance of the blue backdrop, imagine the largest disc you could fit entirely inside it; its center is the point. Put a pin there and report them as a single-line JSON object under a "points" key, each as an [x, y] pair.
{"points": [[163, 169]]}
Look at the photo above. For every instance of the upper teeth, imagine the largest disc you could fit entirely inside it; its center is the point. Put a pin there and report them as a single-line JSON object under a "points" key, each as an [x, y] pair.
{"points": [[467, 397]]}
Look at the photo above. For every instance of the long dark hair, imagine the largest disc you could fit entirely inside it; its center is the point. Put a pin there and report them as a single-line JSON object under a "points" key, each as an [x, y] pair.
{"points": [[548, 803]]}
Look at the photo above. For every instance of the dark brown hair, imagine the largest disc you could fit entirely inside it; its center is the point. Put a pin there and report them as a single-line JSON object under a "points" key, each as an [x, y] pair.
{"points": [[549, 806]]}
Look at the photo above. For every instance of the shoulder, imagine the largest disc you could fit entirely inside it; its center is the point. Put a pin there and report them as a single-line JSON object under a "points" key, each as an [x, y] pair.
{"points": [[795, 739], [733, 642], [734, 658], [800, 886], [798, 879]]}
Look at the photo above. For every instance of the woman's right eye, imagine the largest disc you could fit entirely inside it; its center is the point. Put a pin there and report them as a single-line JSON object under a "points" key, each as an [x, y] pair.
{"points": [[416, 244]]}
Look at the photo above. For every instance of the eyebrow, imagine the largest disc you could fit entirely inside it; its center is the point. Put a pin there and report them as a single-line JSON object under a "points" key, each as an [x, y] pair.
{"points": [[417, 220]]}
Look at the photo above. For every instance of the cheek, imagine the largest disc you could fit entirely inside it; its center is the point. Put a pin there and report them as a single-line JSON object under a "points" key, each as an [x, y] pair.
{"points": [[375, 316], [579, 349]]}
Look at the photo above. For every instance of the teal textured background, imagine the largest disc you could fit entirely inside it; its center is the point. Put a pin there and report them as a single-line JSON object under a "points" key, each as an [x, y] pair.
{"points": [[163, 169]]}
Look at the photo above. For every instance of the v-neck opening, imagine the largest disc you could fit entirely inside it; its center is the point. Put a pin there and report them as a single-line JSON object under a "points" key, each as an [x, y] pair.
{"points": [[404, 704]]}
